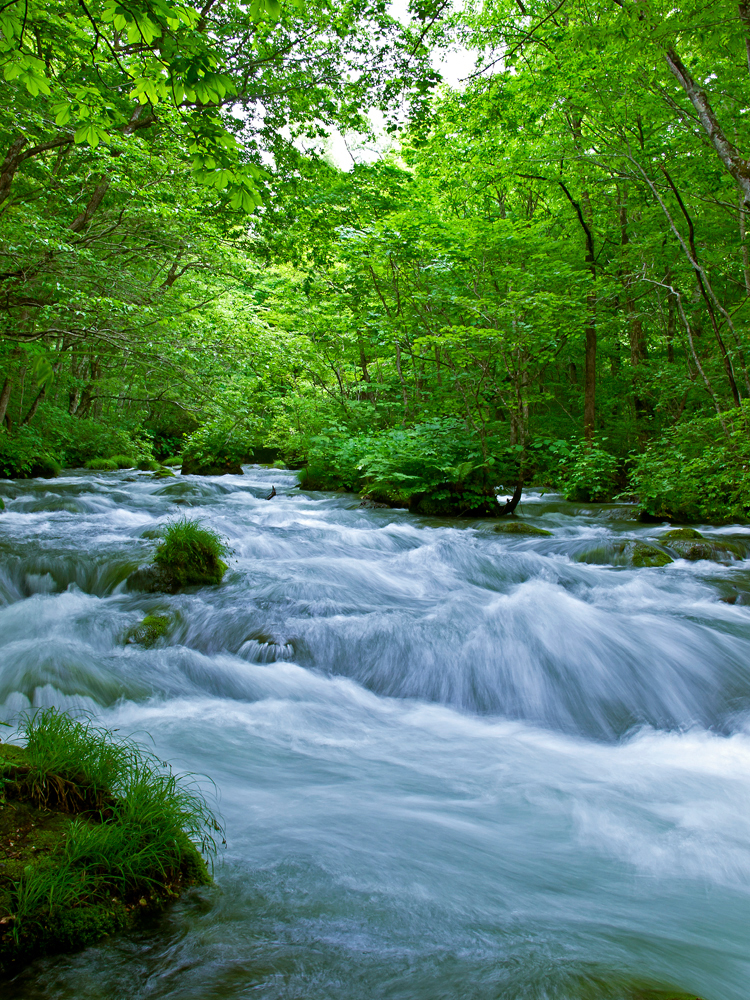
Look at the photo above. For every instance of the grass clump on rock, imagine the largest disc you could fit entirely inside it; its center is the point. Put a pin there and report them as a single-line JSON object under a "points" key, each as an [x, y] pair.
{"points": [[94, 832], [188, 555]]}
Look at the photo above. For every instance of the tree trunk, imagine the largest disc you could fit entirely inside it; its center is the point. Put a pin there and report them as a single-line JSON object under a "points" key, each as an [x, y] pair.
{"points": [[4, 397], [34, 406]]}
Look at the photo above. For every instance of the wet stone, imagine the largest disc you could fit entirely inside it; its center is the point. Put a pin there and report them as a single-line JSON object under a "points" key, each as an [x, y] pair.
{"points": [[519, 528]]}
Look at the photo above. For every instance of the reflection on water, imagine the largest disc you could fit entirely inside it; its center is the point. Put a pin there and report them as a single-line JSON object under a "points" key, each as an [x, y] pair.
{"points": [[452, 763]]}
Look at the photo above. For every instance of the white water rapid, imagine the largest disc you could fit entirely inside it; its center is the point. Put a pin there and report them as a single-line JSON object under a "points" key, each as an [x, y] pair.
{"points": [[453, 764]]}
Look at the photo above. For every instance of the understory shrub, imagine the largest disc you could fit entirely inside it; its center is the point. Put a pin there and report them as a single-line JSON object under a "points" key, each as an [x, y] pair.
{"points": [[218, 447], [589, 473], [698, 470], [25, 456], [435, 467]]}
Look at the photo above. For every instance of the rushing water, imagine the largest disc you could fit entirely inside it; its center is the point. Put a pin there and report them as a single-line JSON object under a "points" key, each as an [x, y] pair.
{"points": [[452, 763]]}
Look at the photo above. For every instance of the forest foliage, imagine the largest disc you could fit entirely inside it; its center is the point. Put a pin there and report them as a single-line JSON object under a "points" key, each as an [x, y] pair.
{"points": [[544, 277]]}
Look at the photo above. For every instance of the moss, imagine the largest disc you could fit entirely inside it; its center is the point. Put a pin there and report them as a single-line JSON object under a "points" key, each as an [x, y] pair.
{"points": [[2, 504], [163, 473], [643, 555], [519, 528], [150, 630], [78, 862], [680, 534], [148, 465]]}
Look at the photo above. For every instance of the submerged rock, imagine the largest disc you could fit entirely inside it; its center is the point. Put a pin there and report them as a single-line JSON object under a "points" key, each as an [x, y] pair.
{"points": [[519, 528], [153, 579], [624, 552], [714, 551], [150, 630]]}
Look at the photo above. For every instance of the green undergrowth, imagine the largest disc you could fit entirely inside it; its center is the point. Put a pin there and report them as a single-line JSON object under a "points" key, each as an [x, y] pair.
{"points": [[698, 470], [94, 832]]}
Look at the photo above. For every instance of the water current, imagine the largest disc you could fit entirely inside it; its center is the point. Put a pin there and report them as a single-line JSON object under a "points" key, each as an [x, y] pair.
{"points": [[452, 763]]}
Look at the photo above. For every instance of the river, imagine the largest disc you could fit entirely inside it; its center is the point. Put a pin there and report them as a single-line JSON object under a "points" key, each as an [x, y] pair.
{"points": [[451, 763]]}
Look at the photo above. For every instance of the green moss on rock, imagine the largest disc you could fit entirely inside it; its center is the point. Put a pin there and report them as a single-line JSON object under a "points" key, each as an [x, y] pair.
{"points": [[680, 534], [519, 528], [642, 554], [150, 630]]}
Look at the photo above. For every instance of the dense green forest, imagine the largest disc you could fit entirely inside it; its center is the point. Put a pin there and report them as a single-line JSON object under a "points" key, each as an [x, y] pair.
{"points": [[543, 277]]}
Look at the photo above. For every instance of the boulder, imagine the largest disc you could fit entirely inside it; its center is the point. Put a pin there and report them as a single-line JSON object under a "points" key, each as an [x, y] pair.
{"points": [[519, 528], [644, 555]]}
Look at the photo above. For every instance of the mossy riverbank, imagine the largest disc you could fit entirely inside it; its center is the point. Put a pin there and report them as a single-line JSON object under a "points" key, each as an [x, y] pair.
{"points": [[94, 834]]}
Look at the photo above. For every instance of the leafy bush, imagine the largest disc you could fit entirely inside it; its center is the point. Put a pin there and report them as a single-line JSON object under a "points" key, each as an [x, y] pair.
{"points": [[589, 474], [698, 472], [25, 456], [218, 446], [434, 467], [191, 553]]}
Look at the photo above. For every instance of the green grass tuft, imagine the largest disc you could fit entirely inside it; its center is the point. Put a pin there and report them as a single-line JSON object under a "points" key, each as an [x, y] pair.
{"points": [[101, 831], [191, 553], [102, 464], [124, 461]]}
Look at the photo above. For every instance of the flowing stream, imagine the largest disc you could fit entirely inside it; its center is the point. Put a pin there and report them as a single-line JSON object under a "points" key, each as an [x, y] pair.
{"points": [[452, 763]]}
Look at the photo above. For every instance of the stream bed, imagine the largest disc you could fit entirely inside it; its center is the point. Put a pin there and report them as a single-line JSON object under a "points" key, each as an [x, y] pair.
{"points": [[451, 762]]}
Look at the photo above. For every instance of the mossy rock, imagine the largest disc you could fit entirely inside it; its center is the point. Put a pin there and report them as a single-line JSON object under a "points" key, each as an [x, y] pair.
{"points": [[163, 473], [375, 499], [2, 504], [630, 552], [519, 528], [189, 555], [148, 465], [708, 549], [449, 502], [680, 534], [643, 555], [192, 466], [149, 631]]}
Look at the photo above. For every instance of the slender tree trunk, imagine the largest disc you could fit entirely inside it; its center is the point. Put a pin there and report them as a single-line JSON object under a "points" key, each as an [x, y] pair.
{"points": [[4, 398], [34, 406], [403, 383]]}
